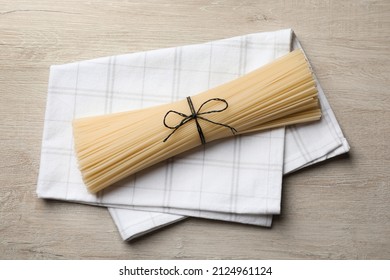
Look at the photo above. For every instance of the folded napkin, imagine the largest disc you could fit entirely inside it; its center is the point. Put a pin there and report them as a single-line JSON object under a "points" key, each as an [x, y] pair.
{"points": [[237, 179]]}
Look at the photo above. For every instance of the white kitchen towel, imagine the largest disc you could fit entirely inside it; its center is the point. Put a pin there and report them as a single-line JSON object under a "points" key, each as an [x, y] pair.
{"points": [[304, 145], [251, 166]]}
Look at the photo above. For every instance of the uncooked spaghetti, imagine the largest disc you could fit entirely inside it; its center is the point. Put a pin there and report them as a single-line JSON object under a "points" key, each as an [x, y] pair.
{"points": [[114, 146]]}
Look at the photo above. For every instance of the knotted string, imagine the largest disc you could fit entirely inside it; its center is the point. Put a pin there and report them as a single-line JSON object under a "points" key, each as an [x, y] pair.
{"points": [[196, 115]]}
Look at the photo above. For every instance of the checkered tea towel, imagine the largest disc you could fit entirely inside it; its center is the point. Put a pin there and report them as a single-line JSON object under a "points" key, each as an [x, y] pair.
{"points": [[237, 179]]}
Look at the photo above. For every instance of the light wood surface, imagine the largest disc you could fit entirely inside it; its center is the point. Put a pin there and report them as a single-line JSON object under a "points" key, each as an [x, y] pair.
{"points": [[339, 209]]}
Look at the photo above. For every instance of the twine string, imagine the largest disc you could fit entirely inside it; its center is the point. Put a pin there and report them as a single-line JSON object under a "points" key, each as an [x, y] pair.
{"points": [[196, 115]]}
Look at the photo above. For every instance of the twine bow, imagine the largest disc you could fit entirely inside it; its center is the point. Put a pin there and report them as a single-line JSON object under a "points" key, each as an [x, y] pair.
{"points": [[196, 115]]}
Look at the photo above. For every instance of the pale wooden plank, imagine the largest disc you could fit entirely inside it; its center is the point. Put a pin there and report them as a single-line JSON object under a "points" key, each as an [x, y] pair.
{"points": [[334, 210]]}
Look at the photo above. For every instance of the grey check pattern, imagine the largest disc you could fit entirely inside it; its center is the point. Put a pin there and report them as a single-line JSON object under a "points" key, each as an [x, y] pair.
{"points": [[237, 179]]}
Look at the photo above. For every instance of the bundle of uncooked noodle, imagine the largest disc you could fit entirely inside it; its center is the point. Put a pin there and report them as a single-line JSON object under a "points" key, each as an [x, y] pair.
{"points": [[114, 146]]}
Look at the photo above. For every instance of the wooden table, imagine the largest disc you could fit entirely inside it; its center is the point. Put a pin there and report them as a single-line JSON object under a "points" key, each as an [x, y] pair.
{"points": [[339, 209]]}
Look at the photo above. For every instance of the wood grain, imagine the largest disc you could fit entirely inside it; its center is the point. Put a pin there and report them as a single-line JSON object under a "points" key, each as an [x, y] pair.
{"points": [[335, 210]]}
